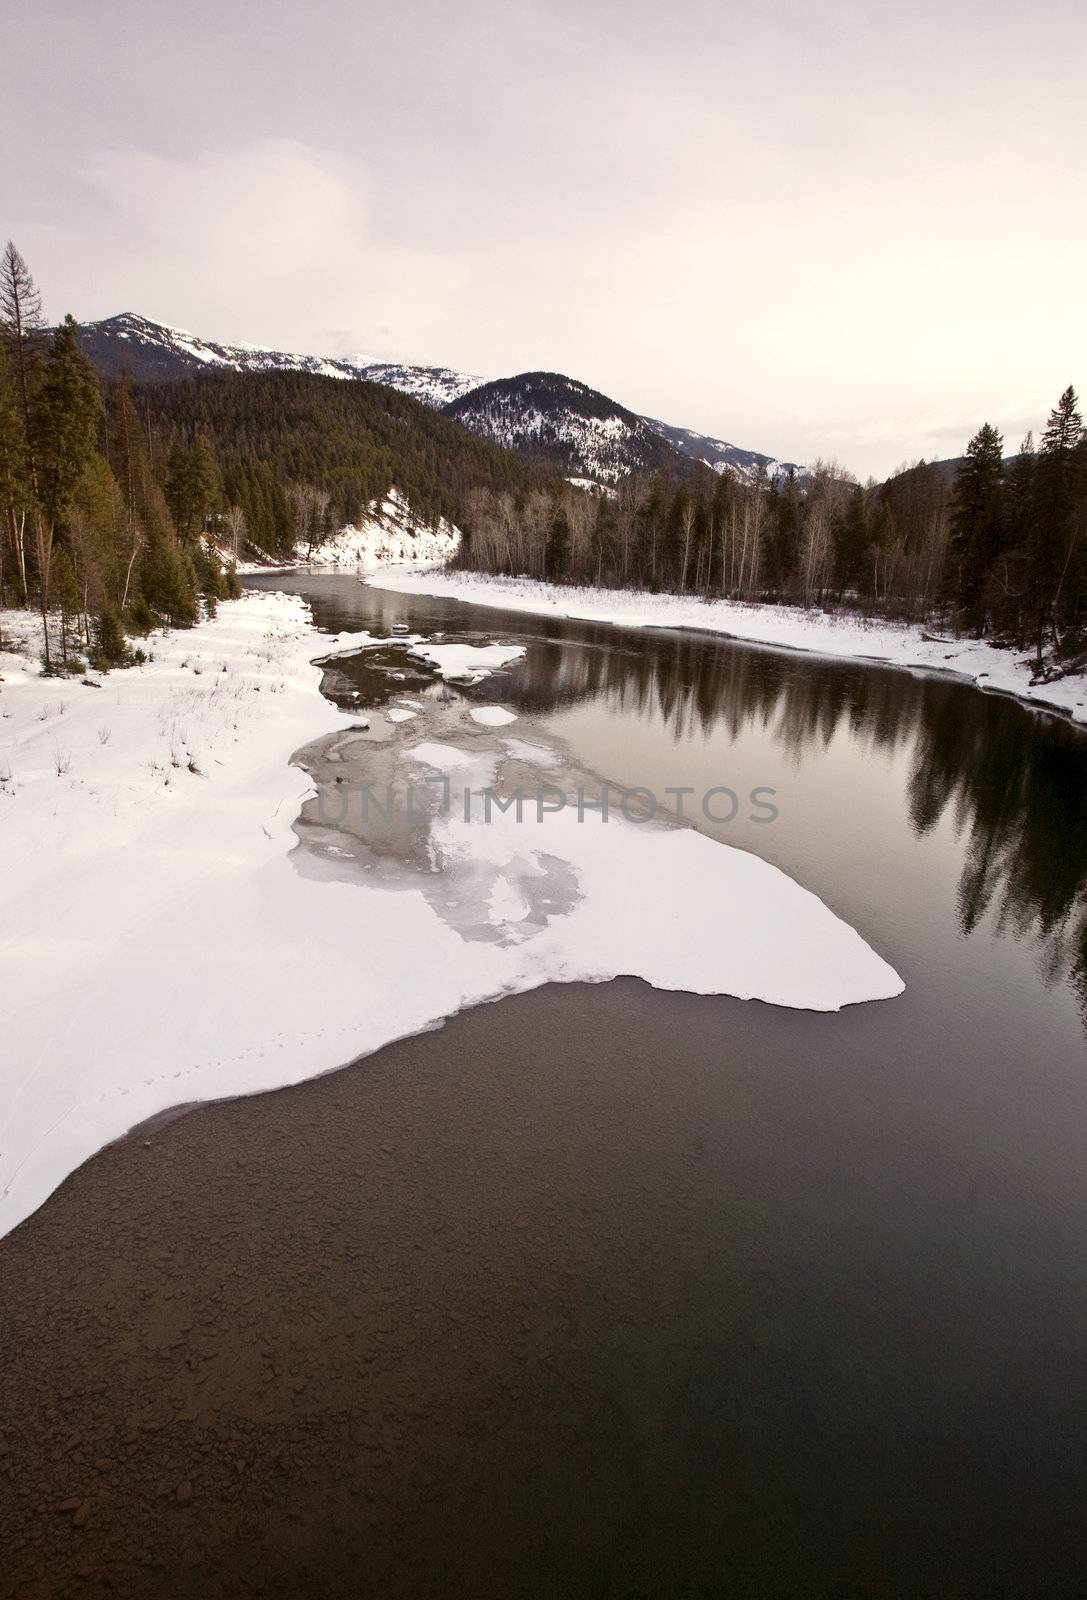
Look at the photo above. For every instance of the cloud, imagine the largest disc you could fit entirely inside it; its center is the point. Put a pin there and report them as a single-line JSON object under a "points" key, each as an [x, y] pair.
{"points": [[774, 223], [268, 241]]}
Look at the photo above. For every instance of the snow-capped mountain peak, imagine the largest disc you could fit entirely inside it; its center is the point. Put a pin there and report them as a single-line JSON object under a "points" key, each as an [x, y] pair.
{"points": [[145, 349], [546, 413]]}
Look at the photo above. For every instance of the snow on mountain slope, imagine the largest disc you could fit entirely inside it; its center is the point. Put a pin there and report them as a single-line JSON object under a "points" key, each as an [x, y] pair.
{"points": [[546, 413], [153, 350], [722, 456], [434, 386], [389, 536]]}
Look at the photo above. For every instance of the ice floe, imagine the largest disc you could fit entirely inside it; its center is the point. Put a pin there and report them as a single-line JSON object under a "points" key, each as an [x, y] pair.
{"points": [[492, 716]]}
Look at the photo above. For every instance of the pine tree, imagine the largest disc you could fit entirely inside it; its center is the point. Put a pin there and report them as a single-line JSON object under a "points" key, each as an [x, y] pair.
{"points": [[66, 592], [22, 326], [557, 550], [850, 542], [65, 423], [168, 581], [677, 531], [784, 530], [977, 523], [110, 649], [14, 484], [1007, 577], [193, 488], [1056, 533]]}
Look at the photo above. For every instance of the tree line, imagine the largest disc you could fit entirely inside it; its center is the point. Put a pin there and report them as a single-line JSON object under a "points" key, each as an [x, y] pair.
{"points": [[299, 456], [125, 505]]}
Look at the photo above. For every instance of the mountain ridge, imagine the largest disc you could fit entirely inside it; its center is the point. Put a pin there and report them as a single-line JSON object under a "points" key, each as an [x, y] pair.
{"points": [[136, 346]]}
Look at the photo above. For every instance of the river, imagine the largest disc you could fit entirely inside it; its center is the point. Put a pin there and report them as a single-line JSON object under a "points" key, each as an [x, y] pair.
{"points": [[610, 1291]]}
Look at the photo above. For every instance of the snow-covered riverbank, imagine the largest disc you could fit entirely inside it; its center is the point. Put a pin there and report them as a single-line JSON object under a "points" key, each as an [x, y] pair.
{"points": [[159, 945], [789, 627]]}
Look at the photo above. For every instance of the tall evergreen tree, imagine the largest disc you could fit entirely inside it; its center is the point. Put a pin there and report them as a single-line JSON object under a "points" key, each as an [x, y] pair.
{"points": [[193, 487], [1056, 534], [784, 540], [850, 541], [1007, 576], [557, 550], [21, 325], [65, 424], [14, 483], [977, 523]]}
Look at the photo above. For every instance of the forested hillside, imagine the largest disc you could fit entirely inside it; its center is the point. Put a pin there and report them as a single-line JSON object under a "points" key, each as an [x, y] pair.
{"points": [[541, 413], [132, 346], [350, 441]]}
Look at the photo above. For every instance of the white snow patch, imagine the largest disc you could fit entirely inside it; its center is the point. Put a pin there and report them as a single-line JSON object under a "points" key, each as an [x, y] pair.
{"points": [[400, 714], [443, 757], [467, 663]]}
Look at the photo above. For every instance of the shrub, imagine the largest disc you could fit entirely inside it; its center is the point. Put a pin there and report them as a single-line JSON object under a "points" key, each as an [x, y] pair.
{"points": [[110, 646]]}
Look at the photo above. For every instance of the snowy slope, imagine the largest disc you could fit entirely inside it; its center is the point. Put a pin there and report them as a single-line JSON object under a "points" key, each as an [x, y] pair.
{"points": [[389, 536], [590, 436], [434, 386], [153, 350]]}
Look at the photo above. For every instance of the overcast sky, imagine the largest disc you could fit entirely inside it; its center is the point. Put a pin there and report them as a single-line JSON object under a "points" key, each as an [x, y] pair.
{"points": [[837, 229]]}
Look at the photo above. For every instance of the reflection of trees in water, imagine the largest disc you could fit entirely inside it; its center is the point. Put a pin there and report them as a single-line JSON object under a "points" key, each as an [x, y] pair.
{"points": [[703, 685], [1014, 781], [1016, 784]]}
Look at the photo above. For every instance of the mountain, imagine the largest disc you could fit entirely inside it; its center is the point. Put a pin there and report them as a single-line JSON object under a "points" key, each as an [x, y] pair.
{"points": [[593, 439], [154, 351], [720, 455], [588, 435]]}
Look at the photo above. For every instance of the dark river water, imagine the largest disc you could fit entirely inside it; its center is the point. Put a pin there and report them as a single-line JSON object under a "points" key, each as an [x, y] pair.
{"points": [[880, 1336]]}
